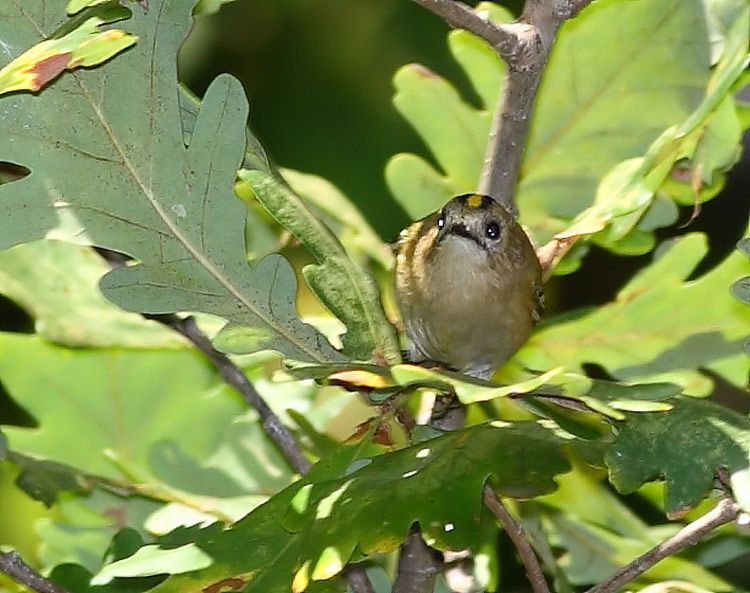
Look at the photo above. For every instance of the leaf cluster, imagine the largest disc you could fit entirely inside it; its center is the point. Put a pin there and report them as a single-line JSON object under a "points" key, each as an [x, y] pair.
{"points": [[162, 480]]}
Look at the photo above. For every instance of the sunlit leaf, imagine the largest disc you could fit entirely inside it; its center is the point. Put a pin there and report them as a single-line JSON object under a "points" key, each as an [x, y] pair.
{"points": [[84, 47], [380, 497], [659, 326]]}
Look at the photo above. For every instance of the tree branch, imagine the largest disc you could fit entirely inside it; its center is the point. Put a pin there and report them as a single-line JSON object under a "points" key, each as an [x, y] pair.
{"points": [[418, 566], [272, 425], [231, 373], [517, 535], [14, 566], [526, 57], [691, 534]]}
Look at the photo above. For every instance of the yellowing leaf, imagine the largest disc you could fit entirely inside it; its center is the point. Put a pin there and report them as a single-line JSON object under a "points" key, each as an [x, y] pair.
{"points": [[85, 46]]}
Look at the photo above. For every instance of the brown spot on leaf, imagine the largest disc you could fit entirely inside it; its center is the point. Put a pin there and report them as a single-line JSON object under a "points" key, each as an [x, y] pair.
{"points": [[230, 584], [423, 71], [48, 69]]}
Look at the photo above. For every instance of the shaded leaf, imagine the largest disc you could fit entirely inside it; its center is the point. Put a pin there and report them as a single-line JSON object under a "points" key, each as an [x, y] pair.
{"points": [[593, 554], [356, 235], [180, 221], [301, 526], [44, 480], [56, 283], [84, 47], [345, 288], [659, 327], [685, 447], [98, 411]]}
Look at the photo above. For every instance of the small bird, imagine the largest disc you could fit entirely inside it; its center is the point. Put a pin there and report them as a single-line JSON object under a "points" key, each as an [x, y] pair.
{"points": [[469, 286]]}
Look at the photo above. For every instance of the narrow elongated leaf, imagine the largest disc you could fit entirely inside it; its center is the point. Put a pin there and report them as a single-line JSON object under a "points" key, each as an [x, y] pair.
{"points": [[346, 289], [129, 177], [83, 47]]}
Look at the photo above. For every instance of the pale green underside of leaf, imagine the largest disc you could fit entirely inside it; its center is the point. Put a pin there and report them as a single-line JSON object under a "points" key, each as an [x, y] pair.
{"points": [[117, 170], [56, 283], [659, 327], [100, 405]]}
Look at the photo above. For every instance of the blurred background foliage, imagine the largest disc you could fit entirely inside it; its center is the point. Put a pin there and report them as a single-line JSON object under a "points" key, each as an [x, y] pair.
{"points": [[319, 82]]}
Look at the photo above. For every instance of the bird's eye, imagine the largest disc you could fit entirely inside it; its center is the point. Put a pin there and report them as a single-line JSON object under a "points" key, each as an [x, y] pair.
{"points": [[492, 230], [441, 221]]}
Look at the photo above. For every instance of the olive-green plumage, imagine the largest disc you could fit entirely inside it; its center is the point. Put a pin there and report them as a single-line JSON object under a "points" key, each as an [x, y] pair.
{"points": [[469, 285]]}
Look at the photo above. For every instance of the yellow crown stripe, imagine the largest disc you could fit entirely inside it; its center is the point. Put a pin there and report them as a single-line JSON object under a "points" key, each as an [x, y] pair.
{"points": [[474, 201]]}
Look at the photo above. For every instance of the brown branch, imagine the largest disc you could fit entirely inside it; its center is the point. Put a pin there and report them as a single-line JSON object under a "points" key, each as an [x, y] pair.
{"points": [[526, 58], [13, 565], [233, 375], [418, 566], [691, 534], [272, 425], [520, 540]]}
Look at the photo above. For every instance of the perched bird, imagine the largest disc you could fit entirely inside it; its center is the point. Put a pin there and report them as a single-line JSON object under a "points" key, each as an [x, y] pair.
{"points": [[469, 286]]}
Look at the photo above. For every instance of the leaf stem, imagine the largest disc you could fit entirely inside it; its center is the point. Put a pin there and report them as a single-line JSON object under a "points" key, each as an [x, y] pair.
{"points": [[14, 566], [691, 534], [520, 540]]}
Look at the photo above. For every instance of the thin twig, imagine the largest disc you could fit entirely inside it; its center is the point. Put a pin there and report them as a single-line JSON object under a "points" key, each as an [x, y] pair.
{"points": [[13, 565], [691, 534], [418, 563], [460, 16], [520, 540], [272, 424], [354, 574], [357, 578]]}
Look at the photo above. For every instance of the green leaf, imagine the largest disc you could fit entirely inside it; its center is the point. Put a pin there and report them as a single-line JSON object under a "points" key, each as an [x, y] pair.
{"points": [[167, 204], [564, 162], [44, 480], [593, 554], [100, 406], [152, 560], [685, 447], [741, 288], [710, 137], [82, 528], [455, 133], [347, 290], [437, 482], [659, 327], [56, 283], [356, 235]]}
